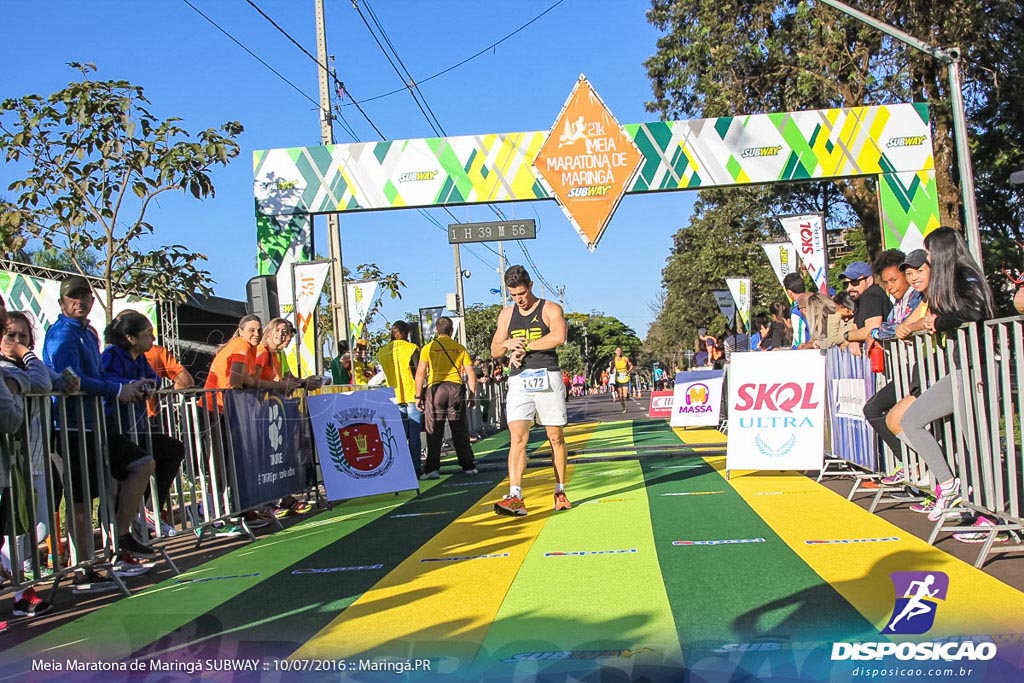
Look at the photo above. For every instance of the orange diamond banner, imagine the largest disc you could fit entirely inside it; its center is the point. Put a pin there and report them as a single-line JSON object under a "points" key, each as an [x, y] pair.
{"points": [[587, 162]]}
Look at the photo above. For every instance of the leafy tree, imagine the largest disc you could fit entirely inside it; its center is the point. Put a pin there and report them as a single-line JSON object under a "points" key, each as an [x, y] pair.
{"points": [[749, 56], [95, 159], [481, 321]]}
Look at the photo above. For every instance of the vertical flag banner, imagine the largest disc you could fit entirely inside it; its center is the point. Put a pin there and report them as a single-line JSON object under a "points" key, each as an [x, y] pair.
{"points": [[725, 304], [776, 412], [807, 233], [739, 287], [360, 298], [782, 256], [429, 316], [309, 283], [361, 443], [697, 398]]}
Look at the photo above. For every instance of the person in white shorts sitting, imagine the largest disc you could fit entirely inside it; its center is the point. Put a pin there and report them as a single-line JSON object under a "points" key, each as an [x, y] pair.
{"points": [[529, 332]]}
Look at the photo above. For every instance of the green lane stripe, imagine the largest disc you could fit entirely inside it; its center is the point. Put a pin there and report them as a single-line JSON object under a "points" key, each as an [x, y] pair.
{"points": [[610, 600]]}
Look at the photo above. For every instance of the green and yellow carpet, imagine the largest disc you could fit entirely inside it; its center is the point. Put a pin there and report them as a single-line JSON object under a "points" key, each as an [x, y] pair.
{"points": [[663, 570]]}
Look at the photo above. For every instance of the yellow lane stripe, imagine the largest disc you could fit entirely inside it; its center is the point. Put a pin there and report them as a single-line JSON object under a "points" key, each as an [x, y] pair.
{"points": [[799, 509], [576, 436], [442, 607]]}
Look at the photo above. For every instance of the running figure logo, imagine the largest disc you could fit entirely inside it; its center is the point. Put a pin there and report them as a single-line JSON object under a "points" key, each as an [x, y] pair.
{"points": [[917, 598]]}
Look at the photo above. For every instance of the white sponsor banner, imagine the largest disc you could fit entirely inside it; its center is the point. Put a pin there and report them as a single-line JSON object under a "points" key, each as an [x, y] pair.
{"points": [[782, 256], [725, 303], [360, 298], [850, 397], [807, 233], [739, 287], [309, 281], [361, 443], [697, 398], [776, 412]]}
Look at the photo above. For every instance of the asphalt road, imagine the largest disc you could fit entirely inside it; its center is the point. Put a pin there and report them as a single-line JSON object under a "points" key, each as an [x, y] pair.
{"points": [[600, 408]]}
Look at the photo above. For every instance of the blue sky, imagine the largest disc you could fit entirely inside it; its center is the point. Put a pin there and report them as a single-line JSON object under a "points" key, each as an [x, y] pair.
{"points": [[192, 70]]}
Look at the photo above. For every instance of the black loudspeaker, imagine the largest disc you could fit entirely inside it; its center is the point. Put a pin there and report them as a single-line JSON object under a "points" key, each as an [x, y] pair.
{"points": [[261, 292]]}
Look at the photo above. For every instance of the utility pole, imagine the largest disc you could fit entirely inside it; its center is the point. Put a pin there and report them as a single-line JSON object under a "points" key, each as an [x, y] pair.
{"points": [[501, 274], [460, 301], [951, 58], [339, 303]]}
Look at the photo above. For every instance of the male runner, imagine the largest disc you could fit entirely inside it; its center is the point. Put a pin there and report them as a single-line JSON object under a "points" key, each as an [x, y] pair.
{"points": [[529, 331], [623, 368]]}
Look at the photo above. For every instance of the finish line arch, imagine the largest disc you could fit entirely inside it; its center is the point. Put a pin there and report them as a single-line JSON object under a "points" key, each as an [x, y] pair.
{"points": [[891, 142]]}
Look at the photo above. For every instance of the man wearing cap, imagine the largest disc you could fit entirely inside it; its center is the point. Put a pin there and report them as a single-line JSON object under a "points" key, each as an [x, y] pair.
{"points": [[72, 343], [873, 305]]}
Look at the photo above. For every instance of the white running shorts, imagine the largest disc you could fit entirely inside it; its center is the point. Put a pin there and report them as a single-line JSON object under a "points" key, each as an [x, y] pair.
{"points": [[548, 406]]}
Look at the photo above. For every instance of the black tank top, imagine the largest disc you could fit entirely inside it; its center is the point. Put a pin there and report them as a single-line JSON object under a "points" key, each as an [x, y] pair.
{"points": [[531, 327]]}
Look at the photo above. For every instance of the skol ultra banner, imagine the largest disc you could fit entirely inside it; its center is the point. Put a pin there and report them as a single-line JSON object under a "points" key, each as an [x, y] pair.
{"points": [[782, 256], [361, 443], [739, 287], [360, 299], [725, 304], [807, 233], [697, 398], [776, 411]]}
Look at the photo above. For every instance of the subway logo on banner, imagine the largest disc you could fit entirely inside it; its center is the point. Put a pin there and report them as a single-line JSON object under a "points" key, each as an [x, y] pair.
{"points": [[696, 397], [594, 191]]}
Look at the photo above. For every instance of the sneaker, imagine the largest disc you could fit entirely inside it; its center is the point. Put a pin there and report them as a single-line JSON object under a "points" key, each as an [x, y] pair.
{"points": [[129, 566], [895, 478], [431, 475], [165, 528], [982, 535], [562, 501], [301, 507], [90, 582], [471, 472], [30, 605], [3, 626], [279, 513], [945, 497], [623, 411], [926, 506], [869, 484], [511, 505], [228, 531], [128, 542]]}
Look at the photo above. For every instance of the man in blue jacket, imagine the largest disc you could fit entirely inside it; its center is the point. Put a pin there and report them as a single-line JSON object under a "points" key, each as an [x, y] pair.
{"points": [[72, 343]]}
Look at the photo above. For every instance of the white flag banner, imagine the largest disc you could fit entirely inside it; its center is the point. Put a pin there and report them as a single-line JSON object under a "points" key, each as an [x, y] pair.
{"points": [[309, 283], [776, 411], [360, 297], [782, 256], [361, 442], [739, 287], [807, 233], [725, 304]]}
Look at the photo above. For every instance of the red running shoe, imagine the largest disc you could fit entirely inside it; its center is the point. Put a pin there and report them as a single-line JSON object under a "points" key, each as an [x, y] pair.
{"points": [[511, 505], [562, 501]]}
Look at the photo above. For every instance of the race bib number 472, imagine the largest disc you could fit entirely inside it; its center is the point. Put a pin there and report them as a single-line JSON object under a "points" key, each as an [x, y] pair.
{"points": [[535, 380]]}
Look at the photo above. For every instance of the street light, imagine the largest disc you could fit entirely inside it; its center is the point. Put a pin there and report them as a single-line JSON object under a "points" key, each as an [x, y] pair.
{"points": [[951, 58]]}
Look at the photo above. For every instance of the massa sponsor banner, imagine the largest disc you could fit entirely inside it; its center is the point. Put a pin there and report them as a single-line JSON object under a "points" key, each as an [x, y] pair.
{"points": [[807, 233], [661, 404], [361, 442], [697, 399], [776, 412]]}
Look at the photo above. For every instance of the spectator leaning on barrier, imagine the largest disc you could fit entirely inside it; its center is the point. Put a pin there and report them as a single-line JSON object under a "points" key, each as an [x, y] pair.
{"points": [[128, 338], [71, 343], [16, 355], [400, 358], [341, 366], [904, 297], [872, 303], [957, 294], [839, 322], [11, 416], [272, 364]]}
